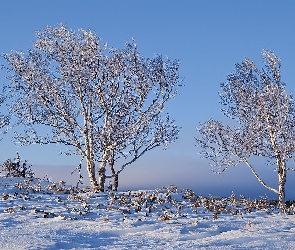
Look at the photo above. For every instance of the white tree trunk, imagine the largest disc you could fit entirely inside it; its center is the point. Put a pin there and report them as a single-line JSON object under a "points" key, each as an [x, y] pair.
{"points": [[282, 174], [281, 202], [114, 174], [101, 176], [91, 173]]}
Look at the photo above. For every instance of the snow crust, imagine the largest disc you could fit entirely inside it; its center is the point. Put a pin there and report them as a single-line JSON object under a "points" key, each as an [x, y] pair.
{"points": [[37, 214]]}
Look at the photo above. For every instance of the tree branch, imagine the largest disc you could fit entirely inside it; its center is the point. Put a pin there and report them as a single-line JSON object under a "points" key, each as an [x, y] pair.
{"points": [[258, 178]]}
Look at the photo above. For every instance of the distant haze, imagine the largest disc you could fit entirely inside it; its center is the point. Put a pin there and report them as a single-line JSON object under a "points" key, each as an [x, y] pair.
{"points": [[238, 180]]}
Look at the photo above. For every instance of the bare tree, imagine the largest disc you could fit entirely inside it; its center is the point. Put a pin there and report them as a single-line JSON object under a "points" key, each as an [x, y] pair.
{"points": [[93, 98], [258, 102]]}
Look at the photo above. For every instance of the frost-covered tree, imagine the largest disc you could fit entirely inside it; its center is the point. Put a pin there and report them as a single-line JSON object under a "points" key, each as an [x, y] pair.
{"points": [[133, 122], [4, 119], [100, 101], [258, 102], [153, 133]]}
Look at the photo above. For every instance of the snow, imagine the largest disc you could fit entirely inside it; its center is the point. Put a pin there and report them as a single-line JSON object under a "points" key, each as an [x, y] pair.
{"points": [[38, 214]]}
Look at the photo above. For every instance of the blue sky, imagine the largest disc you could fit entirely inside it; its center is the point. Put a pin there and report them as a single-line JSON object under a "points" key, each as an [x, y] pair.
{"points": [[208, 37]]}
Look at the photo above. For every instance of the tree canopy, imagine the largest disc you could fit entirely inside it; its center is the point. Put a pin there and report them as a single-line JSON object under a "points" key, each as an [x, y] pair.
{"points": [[104, 102]]}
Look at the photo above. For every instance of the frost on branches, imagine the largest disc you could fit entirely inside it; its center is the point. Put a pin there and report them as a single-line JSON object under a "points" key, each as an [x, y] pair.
{"points": [[107, 104], [4, 119], [258, 102]]}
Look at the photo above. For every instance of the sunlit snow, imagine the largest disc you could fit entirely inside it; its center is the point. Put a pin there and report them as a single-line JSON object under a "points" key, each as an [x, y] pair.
{"points": [[37, 214]]}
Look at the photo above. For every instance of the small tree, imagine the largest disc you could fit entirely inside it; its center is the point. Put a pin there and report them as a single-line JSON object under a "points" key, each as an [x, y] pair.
{"points": [[95, 99], [17, 168], [258, 102]]}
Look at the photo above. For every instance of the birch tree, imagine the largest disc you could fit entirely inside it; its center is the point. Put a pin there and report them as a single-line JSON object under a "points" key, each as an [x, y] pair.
{"points": [[151, 134], [137, 103], [95, 99], [257, 100]]}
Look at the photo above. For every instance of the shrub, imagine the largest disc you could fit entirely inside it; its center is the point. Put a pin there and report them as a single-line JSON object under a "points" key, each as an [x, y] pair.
{"points": [[17, 168]]}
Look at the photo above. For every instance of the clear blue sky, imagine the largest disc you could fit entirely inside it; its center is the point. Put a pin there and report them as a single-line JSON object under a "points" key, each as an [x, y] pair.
{"points": [[208, 37]]}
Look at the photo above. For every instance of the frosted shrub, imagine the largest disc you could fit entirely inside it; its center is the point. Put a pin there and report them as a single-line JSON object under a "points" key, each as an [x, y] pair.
{"points": [[17, 168]]}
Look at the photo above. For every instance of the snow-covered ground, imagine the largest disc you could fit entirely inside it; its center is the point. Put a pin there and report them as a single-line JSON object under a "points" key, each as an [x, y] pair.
{"points": [[37, 214]]}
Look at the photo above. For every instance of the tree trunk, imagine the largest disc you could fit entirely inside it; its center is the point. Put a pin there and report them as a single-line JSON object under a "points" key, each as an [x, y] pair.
{"points": [[101, 176], [91, 173], [111, 163], [116, 182], [282, 180], [281, 202], [116, 178]]}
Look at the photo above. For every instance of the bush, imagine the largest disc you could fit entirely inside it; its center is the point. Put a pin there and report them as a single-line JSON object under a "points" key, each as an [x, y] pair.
{"points": [[17, 168]]}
